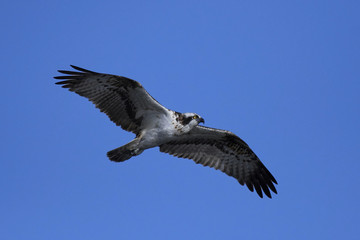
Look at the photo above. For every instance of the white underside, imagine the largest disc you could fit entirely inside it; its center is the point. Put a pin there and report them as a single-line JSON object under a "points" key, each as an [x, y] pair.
{"points": [[158, 129]]}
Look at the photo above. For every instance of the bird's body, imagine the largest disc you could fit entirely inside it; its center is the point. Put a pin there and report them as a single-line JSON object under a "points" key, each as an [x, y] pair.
{"points": [[158, 129], [129, 105]]}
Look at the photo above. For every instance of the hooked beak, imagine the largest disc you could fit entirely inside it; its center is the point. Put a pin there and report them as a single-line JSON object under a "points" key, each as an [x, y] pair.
{"points": [[201, 120]]}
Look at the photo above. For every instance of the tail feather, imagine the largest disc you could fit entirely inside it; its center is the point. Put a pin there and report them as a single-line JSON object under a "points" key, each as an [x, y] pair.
{"points": [[120, 154]]}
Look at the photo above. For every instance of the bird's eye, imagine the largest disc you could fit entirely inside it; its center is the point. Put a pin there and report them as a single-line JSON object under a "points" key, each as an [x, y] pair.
{"points": [[195, 116]]}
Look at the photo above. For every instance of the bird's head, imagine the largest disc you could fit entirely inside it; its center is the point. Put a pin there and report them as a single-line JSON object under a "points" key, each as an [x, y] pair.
{"points": [[191, 119]]}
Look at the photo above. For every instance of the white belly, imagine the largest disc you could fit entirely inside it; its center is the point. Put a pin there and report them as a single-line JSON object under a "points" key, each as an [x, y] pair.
{"points": [[156, 133]]}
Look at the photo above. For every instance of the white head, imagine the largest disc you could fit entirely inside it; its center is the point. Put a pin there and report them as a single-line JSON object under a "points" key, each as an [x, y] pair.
{"points": [[190, 119]]}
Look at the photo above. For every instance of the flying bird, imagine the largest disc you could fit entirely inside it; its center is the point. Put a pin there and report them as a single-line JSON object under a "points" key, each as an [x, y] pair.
{"points": [[132, 108]]}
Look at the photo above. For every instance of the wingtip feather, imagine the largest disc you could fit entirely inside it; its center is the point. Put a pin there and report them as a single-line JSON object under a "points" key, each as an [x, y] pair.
{"points": [[81, 69]]}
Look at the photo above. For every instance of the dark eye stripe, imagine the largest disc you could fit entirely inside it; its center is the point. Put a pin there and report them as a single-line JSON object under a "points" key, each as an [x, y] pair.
{"points": [[187, 120]]}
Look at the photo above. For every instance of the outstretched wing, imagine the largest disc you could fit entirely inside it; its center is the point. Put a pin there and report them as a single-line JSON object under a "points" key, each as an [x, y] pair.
{"points": [[225, 151], [124, 100]]}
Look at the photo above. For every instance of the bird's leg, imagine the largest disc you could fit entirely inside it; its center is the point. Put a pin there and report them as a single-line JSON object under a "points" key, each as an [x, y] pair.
{"points": [[133, 146]]}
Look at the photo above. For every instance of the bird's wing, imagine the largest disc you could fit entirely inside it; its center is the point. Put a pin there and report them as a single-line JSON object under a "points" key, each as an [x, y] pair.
{"points": [[124, 100], [225, 151]]}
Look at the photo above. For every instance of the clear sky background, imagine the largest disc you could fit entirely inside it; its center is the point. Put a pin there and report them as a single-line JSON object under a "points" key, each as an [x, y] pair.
{"points": [[283, 75]]}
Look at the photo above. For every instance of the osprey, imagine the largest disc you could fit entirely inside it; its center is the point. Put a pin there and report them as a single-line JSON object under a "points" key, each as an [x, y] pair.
{"points": [[132, 108]]}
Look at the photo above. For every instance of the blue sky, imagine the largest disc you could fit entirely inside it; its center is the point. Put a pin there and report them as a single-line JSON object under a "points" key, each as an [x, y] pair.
{"points": [[283, 75]]}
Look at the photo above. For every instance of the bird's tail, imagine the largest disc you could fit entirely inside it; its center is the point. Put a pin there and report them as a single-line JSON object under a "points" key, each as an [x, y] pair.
{"points": [[119, 154], [125, 152]]}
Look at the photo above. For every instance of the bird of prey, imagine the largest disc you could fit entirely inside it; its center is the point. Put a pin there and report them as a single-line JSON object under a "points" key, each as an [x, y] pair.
{"points": [[132, 108]]}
